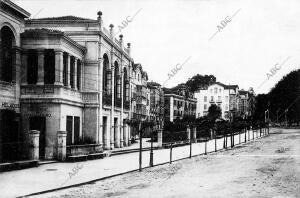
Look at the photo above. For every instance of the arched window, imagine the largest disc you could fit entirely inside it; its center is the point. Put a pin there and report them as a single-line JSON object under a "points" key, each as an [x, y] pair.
{"points": [[105, 74], [7, 54], [126, 86], [117, 82]]}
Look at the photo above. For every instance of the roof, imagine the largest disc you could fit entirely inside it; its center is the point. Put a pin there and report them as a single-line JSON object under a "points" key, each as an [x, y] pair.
{"points": [[64, 18], [41, 33], [17, 8]]}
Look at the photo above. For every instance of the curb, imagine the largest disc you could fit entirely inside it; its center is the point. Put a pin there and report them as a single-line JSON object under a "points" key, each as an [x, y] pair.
{"points": [[135, 170]]}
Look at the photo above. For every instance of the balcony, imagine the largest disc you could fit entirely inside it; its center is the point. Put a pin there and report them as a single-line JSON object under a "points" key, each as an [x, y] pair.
{"points": [[219, 101]]}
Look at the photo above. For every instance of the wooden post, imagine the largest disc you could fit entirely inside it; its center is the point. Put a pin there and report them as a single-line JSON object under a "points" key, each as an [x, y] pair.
{"points": [[171, 148], [205, 144], [151, 150], [190, 147], [215, 141], [140, 154]]}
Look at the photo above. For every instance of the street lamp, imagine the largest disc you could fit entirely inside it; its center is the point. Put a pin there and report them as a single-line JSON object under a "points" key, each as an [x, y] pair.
{"points": [[286, 116]]}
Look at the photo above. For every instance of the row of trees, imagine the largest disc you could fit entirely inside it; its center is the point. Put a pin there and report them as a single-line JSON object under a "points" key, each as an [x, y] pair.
{"points": [[282, 102]]}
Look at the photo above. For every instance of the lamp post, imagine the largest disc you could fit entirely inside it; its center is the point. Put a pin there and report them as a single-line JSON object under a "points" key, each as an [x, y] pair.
{"points": [[285, 112], [277, 115]]}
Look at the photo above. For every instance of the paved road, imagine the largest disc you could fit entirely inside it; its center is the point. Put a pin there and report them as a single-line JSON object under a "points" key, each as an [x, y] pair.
{"points": [[57, 175], [267, 167]]}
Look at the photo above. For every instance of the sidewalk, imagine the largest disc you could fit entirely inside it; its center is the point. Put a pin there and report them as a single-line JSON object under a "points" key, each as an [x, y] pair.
{"points": [[58, 175]]}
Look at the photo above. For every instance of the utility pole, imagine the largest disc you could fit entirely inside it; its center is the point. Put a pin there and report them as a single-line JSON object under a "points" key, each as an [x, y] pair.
{"points": [[277, 115], [140, 154], [286, 116]]}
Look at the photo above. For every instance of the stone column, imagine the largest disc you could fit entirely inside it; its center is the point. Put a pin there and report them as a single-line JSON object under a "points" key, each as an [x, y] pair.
{"points": [[106, 131], [122, 108], [117, 136], [159, 137], [68, 70], [23, 74], [195, 134], [188, 131], [112, 129], [59, 67], [75, 73], [125, 130], [24, 68], [61, 145], [41, 56], [34, 137], [121, 136]]}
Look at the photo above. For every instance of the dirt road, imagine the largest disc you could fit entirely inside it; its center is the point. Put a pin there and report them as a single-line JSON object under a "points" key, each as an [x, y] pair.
{"points": [[268, 167]]}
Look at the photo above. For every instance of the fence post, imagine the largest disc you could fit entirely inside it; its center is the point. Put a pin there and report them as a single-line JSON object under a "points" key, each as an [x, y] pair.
{"points": [[61, 145], [140, 155], [215, 132], [188, 131], [34, 137], [224, 136], [190, 148], [195, 134], [232, 139], [245, 135], [205, 144], [171, 148], [151, 149], [239, 137], [160, 138]]}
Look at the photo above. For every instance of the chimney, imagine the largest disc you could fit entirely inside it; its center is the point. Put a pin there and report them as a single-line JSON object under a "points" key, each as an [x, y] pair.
{"points": [[100, 19], [129, 48], [121, 40], [111, 30]]}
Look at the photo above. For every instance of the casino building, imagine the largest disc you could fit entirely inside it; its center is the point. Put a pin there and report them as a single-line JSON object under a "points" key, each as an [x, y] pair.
{"points": [[65, 74]]}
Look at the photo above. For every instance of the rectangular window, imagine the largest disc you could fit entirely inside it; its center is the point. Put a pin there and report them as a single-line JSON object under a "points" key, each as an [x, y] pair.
{"points": [[78, 74], [205, 98], [76, 129], [69, 129], [72, 62], [205, 107], [32, 67], [212, 98], [49, 66], [216, 90], [219, 98]]}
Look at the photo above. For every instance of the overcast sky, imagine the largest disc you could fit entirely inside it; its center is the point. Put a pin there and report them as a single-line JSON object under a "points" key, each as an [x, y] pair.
{"points": [[165, 33]]}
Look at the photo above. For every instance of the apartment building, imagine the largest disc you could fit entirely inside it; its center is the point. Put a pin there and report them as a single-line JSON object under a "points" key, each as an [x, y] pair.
{"points": [[224, 96], [179, 102]]}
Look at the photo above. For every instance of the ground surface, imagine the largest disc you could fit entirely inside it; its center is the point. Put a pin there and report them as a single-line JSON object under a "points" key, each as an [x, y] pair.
{"points": [[268, 167]]}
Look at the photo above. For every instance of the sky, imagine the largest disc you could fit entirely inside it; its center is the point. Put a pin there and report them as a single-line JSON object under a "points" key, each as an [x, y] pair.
{"points": [[251, 43]]}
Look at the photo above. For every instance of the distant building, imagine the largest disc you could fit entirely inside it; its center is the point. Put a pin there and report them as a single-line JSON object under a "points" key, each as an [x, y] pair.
{"points": [[156, 102], [245, 103], [179, 102], [224, 96]]}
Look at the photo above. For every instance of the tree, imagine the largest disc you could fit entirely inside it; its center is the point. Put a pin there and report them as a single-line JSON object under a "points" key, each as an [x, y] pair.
{"points": [[214, 112], [199, 81], [285, 95]]}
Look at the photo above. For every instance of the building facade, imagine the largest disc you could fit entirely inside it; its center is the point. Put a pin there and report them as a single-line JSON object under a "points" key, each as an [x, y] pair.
{"points": [[224, 96], [179, 102], [156, 102], [12, 19], [66, 74]]}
